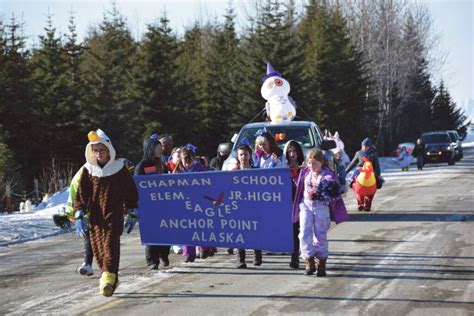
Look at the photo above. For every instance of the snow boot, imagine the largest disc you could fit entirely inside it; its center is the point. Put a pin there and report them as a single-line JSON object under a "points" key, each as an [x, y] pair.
{"points": [[166, 261], [189, 258], [257, 261], [295, 261], [321, 268], [85, 269], [108, 283], [241, 259], [153, 266], [310, 266]]}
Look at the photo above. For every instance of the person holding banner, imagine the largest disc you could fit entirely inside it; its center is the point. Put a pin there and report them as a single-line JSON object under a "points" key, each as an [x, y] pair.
{"points": [[105, 191], [152, 163], [267, 153], [244, 154], [294, 159], [316, 186], [187, 163]]}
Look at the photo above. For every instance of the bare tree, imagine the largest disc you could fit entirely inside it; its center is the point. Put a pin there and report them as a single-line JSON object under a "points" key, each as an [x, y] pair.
{"points": [[378, 29], [55, 176]]}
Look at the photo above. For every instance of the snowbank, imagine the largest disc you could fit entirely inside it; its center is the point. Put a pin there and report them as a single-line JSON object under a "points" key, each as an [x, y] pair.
{"points": [[21, 227], [469, 140]]}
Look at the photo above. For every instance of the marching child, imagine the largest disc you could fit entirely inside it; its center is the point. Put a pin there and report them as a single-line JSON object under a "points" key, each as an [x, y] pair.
{"points": [[152, 163], [244, 154], [187, 163], [404, 159], [294, 159], [105, 191], [316, 185], [267, 153]]}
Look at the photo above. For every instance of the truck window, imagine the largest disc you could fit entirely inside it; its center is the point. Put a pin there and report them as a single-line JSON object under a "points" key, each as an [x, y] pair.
{"points": [[302, 134]]}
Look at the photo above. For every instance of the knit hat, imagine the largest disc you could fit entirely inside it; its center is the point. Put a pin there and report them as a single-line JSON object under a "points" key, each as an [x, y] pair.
{"points": [[166, 139], [367, 142]]}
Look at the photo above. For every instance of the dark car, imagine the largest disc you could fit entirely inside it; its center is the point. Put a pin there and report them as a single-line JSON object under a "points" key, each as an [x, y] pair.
{"points": [[457, 144], [439, 147]]}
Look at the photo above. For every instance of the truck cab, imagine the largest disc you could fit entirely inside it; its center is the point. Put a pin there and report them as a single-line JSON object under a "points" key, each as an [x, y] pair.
{"points": [[306, 133]]}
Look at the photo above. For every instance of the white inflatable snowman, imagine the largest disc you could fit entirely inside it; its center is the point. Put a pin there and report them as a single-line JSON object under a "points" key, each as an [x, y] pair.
{"points": [[280, 107]]}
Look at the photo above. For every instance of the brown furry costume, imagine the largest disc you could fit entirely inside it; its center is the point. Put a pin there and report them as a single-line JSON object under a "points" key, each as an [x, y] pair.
{"points": [[105, 193]]}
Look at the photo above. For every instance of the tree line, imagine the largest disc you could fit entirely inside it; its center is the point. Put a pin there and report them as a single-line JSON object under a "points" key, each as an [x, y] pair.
{"points": [[361, 68]]}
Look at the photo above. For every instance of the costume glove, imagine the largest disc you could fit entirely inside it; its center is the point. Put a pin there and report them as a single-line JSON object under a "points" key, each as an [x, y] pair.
{"points": [[131, 220], [62, 221], [81, 223]]}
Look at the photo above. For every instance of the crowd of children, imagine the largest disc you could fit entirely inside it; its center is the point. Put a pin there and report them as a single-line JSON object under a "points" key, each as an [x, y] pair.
{"points": [[103, 190]]}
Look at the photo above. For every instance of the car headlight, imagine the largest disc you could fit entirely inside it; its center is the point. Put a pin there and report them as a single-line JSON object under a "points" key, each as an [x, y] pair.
{"points": [[448, 147]]}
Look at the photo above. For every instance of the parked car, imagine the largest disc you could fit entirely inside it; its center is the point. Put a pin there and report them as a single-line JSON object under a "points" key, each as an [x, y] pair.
{"points": [[456, 143], [306, 133], [439, 147]]}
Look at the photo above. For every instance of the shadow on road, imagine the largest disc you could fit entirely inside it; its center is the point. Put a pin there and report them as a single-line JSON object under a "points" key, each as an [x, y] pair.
{"points": [[282, 297], [413, 216]]}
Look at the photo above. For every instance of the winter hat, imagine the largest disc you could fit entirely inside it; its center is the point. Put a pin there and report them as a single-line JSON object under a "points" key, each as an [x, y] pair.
{"points": [[367, 142], [166, 139], [224, 148], [99, 137]]}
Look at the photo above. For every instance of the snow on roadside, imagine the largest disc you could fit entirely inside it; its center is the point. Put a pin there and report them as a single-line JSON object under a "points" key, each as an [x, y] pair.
{"points": [[22, 227]]}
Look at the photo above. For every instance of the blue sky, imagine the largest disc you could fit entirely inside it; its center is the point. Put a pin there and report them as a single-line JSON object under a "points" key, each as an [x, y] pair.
{"points": [[452, 19]]}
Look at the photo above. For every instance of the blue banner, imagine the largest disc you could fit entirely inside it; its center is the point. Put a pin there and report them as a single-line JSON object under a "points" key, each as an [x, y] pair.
{"points": [[234, 209]]}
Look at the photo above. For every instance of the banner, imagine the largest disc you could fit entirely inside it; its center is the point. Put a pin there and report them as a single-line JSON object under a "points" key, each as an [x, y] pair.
{"points": [[233, 209]]}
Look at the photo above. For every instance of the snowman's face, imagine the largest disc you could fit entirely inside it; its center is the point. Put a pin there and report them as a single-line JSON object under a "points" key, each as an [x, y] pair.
{"points": [[275, 86]]}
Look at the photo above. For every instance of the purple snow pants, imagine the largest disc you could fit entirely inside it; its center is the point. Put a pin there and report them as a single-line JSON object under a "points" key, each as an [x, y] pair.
{"points": [[314, 225]]}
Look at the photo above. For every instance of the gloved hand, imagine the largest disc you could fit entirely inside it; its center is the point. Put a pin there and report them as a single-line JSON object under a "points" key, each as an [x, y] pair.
{"points": [[131, 220], [81, 223], [62, 221]]}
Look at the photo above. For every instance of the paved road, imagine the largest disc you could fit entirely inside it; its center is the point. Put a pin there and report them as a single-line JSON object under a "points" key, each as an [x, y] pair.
{"points": [[414, 255]]}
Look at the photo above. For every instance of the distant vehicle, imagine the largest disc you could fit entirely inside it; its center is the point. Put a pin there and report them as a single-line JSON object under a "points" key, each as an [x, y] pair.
{"points": [[306, 133], [457, 144], [439, 147]]}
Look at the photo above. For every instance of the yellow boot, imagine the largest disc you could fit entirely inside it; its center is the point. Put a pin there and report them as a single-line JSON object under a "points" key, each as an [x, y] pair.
{"points": [[108, 283]]}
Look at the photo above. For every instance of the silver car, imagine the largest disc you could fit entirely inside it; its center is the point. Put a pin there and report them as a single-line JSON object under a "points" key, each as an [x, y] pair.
{"points": [[306, 133]]}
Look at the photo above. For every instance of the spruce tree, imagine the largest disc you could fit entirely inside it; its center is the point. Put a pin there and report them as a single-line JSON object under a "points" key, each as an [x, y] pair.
{"points": [[445, 114], [271, 38], [193, 74], [413, 115], [220, 119], [106, 75], [157, 81], [16, 122], [334, 71]]}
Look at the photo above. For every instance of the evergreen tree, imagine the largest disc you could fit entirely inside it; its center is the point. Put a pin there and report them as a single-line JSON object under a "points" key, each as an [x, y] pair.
{"points": [[271, 38], [106, 75], [193, 73], [54, 110], [220, 119], [16, 124], [445, 115], [157, 76], [334, 72], [414, 113]]}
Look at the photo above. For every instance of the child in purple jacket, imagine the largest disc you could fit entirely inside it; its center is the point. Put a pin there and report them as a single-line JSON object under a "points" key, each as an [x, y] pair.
{"points": [[317, 188]]}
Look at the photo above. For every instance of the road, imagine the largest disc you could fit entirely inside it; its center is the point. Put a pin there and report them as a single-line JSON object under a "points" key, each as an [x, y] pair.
{"points": [[413, 255]]}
